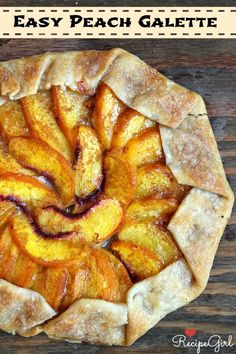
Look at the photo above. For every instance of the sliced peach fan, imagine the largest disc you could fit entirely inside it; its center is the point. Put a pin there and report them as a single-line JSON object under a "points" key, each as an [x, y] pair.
{"points": [[73, 156]]}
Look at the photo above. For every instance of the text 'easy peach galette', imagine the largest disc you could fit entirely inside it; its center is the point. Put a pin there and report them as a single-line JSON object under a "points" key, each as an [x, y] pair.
{"points": [[113, 197]]}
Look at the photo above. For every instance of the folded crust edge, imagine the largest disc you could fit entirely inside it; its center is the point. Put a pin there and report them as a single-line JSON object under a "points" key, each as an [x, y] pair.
{"points": [[90, 320], [21, 309]]}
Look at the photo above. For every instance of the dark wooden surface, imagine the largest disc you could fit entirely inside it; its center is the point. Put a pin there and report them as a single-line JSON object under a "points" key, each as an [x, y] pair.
{"points": [[208, 67]]}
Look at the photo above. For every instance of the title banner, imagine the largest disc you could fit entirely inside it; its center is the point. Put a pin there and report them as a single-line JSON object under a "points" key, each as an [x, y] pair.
{"points": [[117, 22]]}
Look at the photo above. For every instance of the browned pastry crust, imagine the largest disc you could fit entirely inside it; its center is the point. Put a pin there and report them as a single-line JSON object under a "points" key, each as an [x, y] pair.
{"points": [[21, 309], [93, 321], [77, 70], [149, 92], [192, 155], [153, 298]]}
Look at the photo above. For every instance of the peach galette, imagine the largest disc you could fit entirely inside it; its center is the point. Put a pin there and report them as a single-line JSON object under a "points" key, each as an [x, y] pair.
{"points": [[113, 197]]}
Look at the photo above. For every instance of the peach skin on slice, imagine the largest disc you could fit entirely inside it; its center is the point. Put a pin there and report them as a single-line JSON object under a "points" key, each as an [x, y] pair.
{"points": [[51, 283], [157, 179], [151, 209], [145, 148], [88, 167], [106, 112], [153, 238], [60, 250], [9, 164], [71, 111], [42, 124], [12, 121], [41, 157], [140, 261], [96, 225], [129, 124], [27, 190], [120, 177]]}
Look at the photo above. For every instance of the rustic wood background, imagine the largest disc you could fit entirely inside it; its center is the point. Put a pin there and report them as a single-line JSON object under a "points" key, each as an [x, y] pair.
{"points": [[205, 66]]}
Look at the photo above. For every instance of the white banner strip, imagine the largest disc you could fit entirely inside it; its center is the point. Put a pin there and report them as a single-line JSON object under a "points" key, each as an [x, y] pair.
{"points": [[117, 22]]}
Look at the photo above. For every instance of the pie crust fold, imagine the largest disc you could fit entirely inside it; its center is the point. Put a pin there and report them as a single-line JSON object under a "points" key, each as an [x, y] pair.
{"points": [[21, 309], [153, 298], [93, 321], [192, 155]]}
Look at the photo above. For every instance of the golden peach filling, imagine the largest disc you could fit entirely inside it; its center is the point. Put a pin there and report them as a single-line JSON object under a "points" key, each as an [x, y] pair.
{"points": [[85, 196]]}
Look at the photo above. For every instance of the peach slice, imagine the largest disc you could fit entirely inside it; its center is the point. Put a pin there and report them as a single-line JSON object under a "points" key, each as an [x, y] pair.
{"points": [[151, 209], [157, 179], [141, 262], [88, 168], [130, 124], [76, 285], [103, 276], [145, 148], [106, 112], [71, 111], [102, 282], [96, 225], [51, 283], [9, 164], [125, 282], [12, 121], [39, 156], [61, 250], [27, 190], [24, 271], [15, 266], [120, 177], [42, 124], [153, 238]]}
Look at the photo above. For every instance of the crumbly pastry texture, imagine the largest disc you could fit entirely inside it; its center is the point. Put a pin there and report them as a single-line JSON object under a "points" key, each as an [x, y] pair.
{"points": [[191, 153]]}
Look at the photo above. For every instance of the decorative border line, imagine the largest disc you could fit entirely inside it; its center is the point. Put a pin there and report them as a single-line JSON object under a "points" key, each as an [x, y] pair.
{"points": [[224, 20]]}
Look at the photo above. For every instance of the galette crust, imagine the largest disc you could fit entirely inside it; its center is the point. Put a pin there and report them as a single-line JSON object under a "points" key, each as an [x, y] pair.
{"points": [[191, 153], [21, 309], [197, 227], [76, 70], [151, 299], [149, 92], [93, 321]]}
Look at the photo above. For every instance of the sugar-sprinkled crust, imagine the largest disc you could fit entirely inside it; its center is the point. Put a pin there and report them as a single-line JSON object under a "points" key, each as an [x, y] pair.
{"points": [[21, 309], [148, 91], [192, 155], [93, 321], [77, 70], [151, 299], [197, 227]]}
